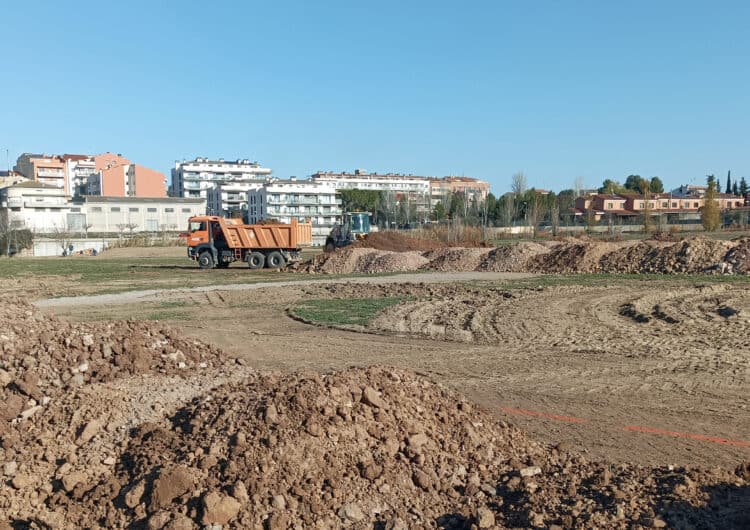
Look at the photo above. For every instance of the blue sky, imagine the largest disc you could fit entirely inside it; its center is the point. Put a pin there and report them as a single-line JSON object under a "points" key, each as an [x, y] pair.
{"points": [[555, 89]]}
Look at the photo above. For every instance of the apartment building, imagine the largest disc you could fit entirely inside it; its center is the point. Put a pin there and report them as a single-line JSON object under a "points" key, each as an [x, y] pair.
{"points": [[284, 200], [194, 178], [415, 190], [229, 199], [78, 168], [42, 208], [45, 169], [473, 189]]}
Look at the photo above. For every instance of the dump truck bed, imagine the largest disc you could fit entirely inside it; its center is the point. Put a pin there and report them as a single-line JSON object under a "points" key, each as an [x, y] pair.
{"points": [[267, 236]]}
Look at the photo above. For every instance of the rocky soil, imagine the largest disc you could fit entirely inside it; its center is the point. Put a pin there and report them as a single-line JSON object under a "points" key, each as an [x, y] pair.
{"points": [[572, 255], [127, 425]]}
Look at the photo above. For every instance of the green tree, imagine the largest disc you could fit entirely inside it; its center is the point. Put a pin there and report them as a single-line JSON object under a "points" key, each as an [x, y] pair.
{"points": [[611, 187], [735, 188], [457, 209], [360, 200], [728, 189], [743, 187], [710, 215], [438, 212], [656, 185], [633, 183], [566, 199]]}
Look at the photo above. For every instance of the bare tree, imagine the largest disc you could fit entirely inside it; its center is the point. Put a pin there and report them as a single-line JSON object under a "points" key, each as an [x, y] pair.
{"points": [[508, 209], [63, 236], [578, 186], [534, 211], [6, 229], [518, 183]]}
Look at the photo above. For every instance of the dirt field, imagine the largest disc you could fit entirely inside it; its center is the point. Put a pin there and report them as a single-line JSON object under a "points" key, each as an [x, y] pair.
{"points": [[652, 372]]}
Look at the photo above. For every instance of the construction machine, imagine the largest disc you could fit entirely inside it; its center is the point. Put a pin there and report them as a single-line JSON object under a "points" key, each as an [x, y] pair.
{"points": [[354, 226]]}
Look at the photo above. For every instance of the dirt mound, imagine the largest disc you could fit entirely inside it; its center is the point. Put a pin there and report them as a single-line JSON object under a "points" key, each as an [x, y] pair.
{"points": [[511, 258], [377, 447], [739, 256], [687, 256], [397, 242], [43, 356], [353, 259], [454, 259], [571, 256]]}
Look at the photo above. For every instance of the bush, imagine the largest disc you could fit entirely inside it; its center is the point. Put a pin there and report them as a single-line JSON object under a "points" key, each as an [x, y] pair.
{"points": [[19, 240]]}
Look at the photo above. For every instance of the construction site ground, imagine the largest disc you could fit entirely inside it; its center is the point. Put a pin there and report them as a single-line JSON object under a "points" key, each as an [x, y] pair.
{"points": [[649, 371]]}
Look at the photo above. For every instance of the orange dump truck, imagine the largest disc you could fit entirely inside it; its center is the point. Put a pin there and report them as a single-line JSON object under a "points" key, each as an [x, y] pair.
{"points": [[217, 241]]}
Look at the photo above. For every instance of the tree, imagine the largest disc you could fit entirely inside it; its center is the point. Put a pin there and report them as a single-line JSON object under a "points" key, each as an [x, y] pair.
{"points": [[743, 187], [518, 183], [728, 189], [566, 200], [507, 207], [578, 187], [633, 183], [710, 215], [534, 209], [63, 236], [438, 212], [457, 209], [656, 185], [360, 201], [611, 187], [645, 188]]}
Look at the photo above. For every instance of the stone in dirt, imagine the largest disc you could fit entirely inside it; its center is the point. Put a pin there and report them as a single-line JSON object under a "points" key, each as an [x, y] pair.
{"points": [[219, 508], [171, 483], [90, 430], [371, 397]]}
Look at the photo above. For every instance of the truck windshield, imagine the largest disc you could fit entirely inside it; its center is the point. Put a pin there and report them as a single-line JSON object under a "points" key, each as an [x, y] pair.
{"points": [[197, 226]]}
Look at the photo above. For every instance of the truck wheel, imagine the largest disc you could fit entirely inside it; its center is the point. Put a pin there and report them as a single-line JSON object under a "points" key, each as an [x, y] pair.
{"points": [[275, 260], [206, 260], [255, 260], [223, 264]]}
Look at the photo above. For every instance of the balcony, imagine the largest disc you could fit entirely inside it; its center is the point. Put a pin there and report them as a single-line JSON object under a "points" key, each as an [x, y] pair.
{"points": [[56, 173]]}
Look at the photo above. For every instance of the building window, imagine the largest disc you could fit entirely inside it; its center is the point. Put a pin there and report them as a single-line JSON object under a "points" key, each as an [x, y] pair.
{"points": [[133, 209], [151, 210], [640, 205], [96, 208], [674, 205], [609, 206], [114, 209], [168, 210], [75, 210], [186, 210]]}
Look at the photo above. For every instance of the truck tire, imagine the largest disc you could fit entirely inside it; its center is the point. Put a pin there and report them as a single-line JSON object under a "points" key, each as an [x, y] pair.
{"points": [[255, 260], [206, 260], [223, 264], [275, 260]]}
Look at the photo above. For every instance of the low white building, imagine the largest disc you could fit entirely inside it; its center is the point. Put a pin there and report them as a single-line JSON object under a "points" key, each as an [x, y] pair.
{"points": [[284, 200], [46, 209], [193, 178], [228, 198], [39, 207], [139, 214]]}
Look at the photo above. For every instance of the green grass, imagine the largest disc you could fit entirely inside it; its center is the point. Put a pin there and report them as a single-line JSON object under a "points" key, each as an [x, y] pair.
{"points": [[344, 311]]}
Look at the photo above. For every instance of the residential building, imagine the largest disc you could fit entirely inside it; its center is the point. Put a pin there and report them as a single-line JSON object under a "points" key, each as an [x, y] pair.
{"points": [[632, 205], [194, 178], [229, 199], [45, 169], [145, 182], [473, 189], [414, 190], [689, 190], [78, 168], [284, 200], [39, 207]]}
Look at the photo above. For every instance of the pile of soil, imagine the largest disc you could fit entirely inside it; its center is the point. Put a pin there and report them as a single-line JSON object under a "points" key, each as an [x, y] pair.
{"points": [[376, 447], [571, 256], [739, 256], [511, 258], [692, 255], [353, 259], [397, 242], [454, 259], [43, 356]]}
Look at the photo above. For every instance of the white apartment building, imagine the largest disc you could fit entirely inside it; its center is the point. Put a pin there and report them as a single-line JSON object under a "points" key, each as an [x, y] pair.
{"points": [[227, 198], [45, 209], [78, 169], [39, 207], [411, 188], [193, 178], [284, 200]]}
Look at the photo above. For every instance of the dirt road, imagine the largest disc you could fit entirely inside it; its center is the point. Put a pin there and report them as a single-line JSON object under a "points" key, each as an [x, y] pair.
{"points": [[649, 372]]}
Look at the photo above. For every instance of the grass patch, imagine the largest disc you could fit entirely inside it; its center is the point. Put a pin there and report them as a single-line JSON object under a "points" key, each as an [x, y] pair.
{"points": [[167, 315], [344, 311], [601, 280]]}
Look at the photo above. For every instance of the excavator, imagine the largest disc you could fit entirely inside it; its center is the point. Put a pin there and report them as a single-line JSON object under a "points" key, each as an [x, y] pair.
{"points": [[354, 226]]}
